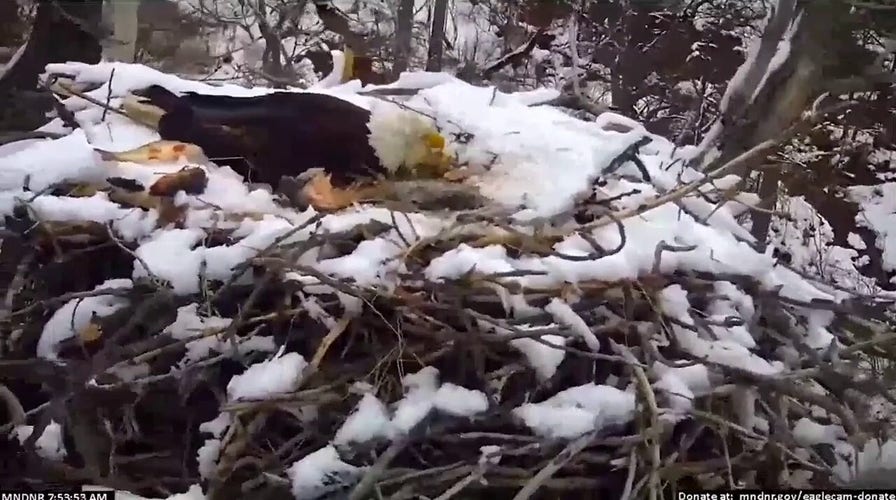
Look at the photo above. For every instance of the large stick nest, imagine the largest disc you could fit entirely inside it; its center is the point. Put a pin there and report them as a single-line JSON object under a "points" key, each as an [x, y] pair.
{"points": [[130, 389]]}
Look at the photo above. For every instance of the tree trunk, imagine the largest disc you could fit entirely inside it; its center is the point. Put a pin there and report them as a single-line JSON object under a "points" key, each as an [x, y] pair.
{"points": [[768, 195], [122, 45], [621, 86], [62, 31], [273, 58], [10, 24], [437, 36], [822, 51], [404, 36]]}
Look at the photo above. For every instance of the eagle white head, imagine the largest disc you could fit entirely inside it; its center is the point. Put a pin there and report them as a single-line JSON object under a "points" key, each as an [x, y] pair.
{"points": [[403, 138]]}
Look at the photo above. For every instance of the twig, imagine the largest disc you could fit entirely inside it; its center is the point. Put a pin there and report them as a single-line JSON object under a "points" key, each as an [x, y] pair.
{"points": [[749, 157], [327, 341], [108, 96], [652, 410], [13, 406], [93, 101], [460, 485], [555, 464], [54, 301], [367, 482], [121, 245], [630, 477]]}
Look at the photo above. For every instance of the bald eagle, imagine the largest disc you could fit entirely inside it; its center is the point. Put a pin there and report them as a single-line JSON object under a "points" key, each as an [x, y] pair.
{"points": [[284, 134]]}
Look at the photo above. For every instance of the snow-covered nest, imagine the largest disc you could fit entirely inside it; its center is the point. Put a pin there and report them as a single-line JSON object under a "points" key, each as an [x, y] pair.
{"points": [[570, 311]]}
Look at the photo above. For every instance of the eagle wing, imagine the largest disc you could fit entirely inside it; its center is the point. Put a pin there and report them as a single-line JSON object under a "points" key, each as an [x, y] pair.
{"points": [[270, 136]]}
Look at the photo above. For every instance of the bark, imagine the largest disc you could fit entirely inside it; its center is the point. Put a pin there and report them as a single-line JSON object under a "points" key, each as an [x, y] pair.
{"points": [[61, 31], [739, 96], [274, 57], [11, 29], [823, 54], [437, 36], [122, 46], [823, 51], [621, 86], [404, 36], [762, 220], [516, 56], [333, 20]]}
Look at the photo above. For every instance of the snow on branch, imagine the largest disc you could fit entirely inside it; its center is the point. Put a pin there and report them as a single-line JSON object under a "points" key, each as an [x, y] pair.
{"points": [[764, 56]]}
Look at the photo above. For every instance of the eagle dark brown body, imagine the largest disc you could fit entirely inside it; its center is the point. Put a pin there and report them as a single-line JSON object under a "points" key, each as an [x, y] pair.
{"points": [[267, 137]]}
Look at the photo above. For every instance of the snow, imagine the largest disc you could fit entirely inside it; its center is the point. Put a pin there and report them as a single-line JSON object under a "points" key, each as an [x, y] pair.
{"points": [[809, 433], [424, 394], [369, 421], [726, 351], [782, 52], [418, 401], [534, 162], [320, 473], [562, 313], [189, 324], [49, 445], [543, 358], [732, 303], [134, 76], [70, 319], [16, 146], [875, 455], [130, 224], [276, 376], [578, 410], [207, 458], [491, 454], [45, 163], [817, 334], [850, 461], [129, 77], [682, 385], [538, 158], [218, 425], [471, 33], [877, 211], [371, 263], [856, 241], [335, 76], [217, 262], [154, 259], [460, 401], [808, 239], [561, 422], [716, 251]]}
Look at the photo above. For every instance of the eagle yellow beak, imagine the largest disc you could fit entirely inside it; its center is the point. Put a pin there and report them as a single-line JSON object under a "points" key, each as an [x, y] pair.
{"points": [[435, 141], [437, 162]]}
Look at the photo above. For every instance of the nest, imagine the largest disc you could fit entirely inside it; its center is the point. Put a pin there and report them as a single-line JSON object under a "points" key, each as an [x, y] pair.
{"points": [[424, 377]]}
